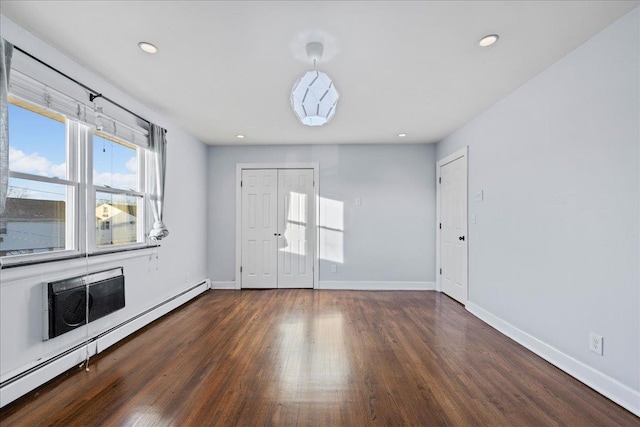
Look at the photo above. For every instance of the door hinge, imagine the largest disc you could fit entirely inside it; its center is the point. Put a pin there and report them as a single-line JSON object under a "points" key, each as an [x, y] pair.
{"points": [[241, 270], [240, 183], [440, 226], [440, 271], [440, 180]]}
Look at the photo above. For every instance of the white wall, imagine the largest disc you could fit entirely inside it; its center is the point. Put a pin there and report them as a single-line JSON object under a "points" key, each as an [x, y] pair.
{"points": [[149, 280], [555, 250], [389, 238]]}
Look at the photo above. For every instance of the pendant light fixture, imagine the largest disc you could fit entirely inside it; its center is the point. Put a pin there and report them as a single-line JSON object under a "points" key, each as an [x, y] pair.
{"points": [[314, 96]]}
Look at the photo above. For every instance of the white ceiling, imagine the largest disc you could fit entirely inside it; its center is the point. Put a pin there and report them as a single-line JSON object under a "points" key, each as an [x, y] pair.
{"points": [[225, 68]]}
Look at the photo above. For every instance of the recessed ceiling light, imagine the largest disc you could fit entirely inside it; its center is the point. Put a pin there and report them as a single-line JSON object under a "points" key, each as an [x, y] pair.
{"points": [[147, 47], [240, 136], [402, 135], [487, 41]]}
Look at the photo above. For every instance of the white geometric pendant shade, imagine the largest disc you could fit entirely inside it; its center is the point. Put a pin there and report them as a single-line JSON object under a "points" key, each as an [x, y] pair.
{"points": [[314, 98]]}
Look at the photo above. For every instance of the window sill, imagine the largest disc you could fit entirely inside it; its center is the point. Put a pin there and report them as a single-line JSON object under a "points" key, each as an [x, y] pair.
{"points": [[112, 249], [26, 263]]}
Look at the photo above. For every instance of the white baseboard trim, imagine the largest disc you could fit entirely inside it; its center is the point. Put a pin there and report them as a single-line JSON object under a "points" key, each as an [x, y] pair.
{"points": [[609, 387], [29, 382], [376, 286], [223, 285], [47, 370]]}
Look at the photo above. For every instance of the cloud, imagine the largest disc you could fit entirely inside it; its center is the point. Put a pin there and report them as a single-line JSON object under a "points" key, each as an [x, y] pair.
{"points": [[124, 181], [35, 164], [132, 164]]}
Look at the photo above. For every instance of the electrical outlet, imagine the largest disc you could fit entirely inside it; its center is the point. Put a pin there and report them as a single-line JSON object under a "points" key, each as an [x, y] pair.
{"points": [[595, 343], [334, 268]]}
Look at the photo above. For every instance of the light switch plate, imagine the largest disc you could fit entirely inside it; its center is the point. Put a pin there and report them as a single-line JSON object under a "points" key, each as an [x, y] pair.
{"points": [[358, 201], [479, 196]]}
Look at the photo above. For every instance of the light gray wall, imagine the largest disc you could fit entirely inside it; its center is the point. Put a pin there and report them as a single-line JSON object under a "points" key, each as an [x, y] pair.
{"points": [[151, 276], [555, 251], [390, 237]]}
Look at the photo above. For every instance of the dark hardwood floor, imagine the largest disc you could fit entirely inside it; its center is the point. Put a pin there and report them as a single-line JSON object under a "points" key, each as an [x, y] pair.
{"points": [[328, 358]]}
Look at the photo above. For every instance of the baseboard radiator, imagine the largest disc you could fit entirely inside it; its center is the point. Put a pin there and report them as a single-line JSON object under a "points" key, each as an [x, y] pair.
{"points": [[22, 383]]}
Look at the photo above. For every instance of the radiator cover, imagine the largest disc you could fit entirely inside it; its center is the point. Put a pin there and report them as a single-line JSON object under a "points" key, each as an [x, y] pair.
{"points": [[67, 300]]}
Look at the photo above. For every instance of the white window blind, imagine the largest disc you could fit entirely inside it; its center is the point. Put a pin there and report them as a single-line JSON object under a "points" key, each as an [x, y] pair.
{"points": [[39, 85], [28, 89], [110, 126]]}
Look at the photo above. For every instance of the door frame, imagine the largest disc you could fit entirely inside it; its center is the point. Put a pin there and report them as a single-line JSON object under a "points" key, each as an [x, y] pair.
{"points": [[463, 152], [316, 191]]}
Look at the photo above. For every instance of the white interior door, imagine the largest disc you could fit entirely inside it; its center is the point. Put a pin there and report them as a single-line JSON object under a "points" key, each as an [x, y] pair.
{"points": [[453, 234], [296, 228], [277, 228], [259, 228]]}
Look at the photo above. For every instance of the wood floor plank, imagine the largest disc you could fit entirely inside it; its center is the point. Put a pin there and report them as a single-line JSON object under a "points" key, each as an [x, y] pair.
{"points": [[309, 358]]}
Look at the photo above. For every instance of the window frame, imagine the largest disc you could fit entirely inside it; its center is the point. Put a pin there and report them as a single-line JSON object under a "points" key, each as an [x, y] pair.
{"points": [[141, 217], [80, 224], [73, 246]]}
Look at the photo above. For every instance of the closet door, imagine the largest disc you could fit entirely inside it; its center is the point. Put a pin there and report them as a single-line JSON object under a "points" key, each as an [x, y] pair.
{"points": [[296, 225], [259, 228], [453, 218]]}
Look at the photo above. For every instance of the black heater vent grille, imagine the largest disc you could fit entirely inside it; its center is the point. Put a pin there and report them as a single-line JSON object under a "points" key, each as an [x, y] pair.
{"points": [[74, 307], [67, 299]]}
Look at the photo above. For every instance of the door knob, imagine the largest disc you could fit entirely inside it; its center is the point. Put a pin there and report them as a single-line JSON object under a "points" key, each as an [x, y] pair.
{"points": [[461, 238]]}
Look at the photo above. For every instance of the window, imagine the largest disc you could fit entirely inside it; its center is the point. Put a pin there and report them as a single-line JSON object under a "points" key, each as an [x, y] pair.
{"points": [[118, 209], [39, 216], [54, 161]]}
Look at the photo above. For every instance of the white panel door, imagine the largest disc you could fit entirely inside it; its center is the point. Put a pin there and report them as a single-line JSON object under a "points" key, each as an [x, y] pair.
{"points": [[453, 235], [296, 228], [259, 228]]}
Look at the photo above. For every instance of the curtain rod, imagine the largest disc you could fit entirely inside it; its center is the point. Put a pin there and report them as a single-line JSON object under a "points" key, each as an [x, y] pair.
{"points": [[94, 93]]}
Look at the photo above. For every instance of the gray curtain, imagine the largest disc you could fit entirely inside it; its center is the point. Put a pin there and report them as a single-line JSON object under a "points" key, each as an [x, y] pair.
{"points": [[6, 50], [157, 172]]}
